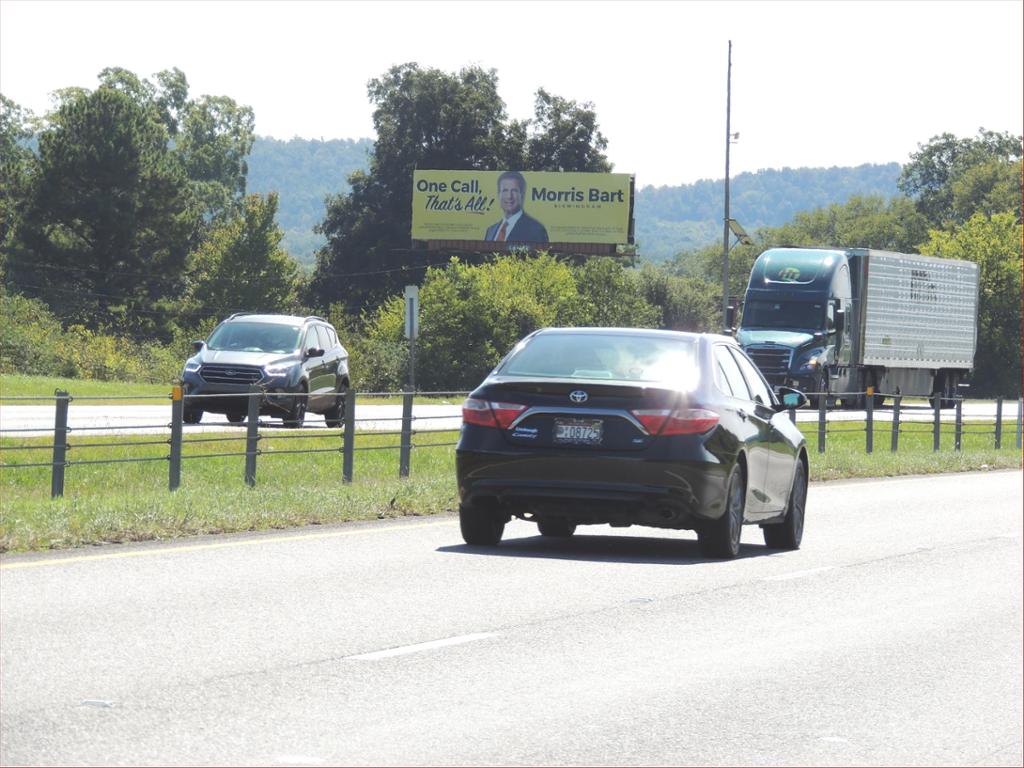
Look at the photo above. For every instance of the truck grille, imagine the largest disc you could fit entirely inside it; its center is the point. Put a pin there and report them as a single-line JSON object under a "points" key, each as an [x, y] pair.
{"points": [[230, 374], [773, 362]]}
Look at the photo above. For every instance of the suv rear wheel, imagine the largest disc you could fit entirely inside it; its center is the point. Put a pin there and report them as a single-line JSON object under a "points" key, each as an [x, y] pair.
{"points": [[192, 415], [335, 415]]}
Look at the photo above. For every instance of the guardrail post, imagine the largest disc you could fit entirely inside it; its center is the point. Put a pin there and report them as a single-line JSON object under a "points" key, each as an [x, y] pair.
{"points": [[252, 435], [349, 436], [177, 411], [60, 444], [869, 407], [959, 423], [896, 402], [822, 401], [937, 426], [406, 439], [1020, 408], [999, 423]]}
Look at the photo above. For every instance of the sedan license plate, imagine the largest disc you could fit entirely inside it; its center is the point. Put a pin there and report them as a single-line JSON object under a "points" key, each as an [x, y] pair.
{"points": [[578, 431]]}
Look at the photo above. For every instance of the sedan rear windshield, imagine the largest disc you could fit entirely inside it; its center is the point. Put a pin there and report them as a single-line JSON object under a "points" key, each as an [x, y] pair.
{"points": [[613, 356], [255, 337]]}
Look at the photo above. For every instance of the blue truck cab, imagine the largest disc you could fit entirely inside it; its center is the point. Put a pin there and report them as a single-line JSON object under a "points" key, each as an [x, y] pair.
{"points": [[794, 318]]}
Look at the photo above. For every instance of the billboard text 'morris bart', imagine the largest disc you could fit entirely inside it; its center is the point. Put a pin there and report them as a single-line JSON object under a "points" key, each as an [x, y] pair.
{"points": [[521, 207]]}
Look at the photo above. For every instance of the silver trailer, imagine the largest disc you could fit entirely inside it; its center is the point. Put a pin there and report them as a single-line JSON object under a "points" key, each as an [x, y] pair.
{"points": [[837, 322]]}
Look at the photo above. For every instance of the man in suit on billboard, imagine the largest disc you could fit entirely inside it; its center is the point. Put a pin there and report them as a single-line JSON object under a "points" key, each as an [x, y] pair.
{"points": [[515, 224]]}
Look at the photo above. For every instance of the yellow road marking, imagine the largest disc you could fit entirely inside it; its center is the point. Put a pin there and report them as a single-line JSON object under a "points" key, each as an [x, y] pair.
{"points": [[217, 545]]}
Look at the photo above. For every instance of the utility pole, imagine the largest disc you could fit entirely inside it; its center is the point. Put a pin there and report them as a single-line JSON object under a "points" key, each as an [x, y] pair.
{"points": [[725, 223]]}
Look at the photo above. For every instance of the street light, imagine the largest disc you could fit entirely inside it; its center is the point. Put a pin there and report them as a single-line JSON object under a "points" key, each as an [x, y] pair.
{"points": [[725, 225], [742, 238]]}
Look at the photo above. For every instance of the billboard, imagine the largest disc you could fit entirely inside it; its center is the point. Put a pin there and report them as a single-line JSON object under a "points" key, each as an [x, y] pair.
{"points": [[527, 207]]}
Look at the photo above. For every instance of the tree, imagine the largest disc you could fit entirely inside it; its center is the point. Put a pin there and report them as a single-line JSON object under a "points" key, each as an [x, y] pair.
{"points": [[16, 167], [565, 137], [686, 303], [864, 222], [611, 295], [937, 166], [211, 136], [429, 119], [106, 230], [994, 243], [241, 266], [216, 135]]}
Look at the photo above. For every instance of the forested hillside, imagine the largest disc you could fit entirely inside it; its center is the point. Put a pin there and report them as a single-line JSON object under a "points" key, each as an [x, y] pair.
{"points": [[669, 219], [303, 172], [684, 218]]}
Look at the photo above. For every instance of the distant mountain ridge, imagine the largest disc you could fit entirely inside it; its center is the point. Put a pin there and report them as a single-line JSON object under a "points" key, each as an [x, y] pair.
{"points": [[669, 219], [674, 219]]}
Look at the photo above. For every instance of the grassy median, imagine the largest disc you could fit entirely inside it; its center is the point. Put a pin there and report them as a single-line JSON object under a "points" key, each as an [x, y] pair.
{"points": [[130, 501]]}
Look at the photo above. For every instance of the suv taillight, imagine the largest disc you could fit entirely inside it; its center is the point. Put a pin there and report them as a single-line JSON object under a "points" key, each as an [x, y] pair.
{"points": [[488, 414]]}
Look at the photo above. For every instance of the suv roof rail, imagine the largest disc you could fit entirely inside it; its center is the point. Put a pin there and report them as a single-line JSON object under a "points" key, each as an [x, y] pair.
{"points": [[233, 315], [315, 317]]}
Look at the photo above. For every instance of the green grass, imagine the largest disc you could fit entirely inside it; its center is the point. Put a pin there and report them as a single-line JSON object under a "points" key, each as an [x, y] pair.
{"points": [[131, 393], [130, 501], [16, 385]]}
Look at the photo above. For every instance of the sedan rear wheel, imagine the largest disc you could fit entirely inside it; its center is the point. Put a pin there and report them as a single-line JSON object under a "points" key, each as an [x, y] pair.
{"points": [[788, 533], [556, 526], [721, 537], [480, 527]]}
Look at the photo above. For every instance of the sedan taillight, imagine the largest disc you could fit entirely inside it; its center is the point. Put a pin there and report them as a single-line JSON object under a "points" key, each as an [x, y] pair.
{"points": [[682, 421], [488, 414]]}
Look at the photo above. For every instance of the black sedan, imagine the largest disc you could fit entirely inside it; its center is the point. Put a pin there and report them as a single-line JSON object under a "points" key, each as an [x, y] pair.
{"points": [[624, 426]]}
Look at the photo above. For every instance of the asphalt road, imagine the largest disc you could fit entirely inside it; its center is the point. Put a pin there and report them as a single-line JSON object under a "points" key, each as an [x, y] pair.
{"points": [[894, 637], [28, 420]]}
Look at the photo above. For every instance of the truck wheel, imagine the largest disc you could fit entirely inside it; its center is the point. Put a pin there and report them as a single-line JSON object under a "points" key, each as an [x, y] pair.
{"points": [[192, 415], [236, 417], [788, 533], [822, 387], [558, 527], [480, 527], [721, 537]]}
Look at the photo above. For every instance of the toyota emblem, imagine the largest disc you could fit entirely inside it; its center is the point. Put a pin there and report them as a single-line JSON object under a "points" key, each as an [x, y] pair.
{"points": [[578, 396]]}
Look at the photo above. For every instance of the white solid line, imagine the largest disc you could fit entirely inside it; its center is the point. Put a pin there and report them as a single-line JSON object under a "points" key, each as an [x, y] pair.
{"points": [[799, 574], [405, 649]]}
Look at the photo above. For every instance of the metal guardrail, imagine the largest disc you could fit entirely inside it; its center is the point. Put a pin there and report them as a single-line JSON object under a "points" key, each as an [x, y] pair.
{"points": [[179, 438], [898, 427], [406, 431]]}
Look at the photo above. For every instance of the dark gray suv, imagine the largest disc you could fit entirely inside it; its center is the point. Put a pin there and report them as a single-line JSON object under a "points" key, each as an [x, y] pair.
{"points": [[297, 361]]}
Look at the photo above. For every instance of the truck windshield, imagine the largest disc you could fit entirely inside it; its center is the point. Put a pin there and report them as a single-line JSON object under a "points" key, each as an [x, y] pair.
{"points": [[802, 315]]}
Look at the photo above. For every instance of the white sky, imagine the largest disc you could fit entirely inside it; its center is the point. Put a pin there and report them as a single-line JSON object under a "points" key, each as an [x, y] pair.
{"points": [[819, 83]]}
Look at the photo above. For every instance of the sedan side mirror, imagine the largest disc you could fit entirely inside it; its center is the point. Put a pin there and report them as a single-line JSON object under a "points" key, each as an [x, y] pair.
{"points": [[790, 398]]}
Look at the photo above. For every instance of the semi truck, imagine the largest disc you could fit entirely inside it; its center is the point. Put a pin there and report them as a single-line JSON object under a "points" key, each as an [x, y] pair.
{"points": [[841, 323]]}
